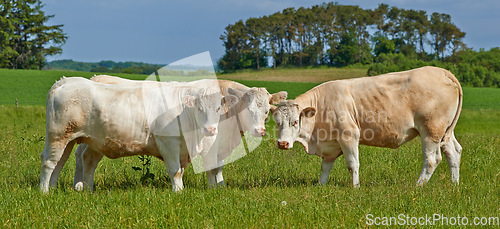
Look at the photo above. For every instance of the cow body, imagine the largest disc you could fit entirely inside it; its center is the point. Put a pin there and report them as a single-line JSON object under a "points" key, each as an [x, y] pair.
{"points": [[384, 111], [248, 114], [167, 122]]}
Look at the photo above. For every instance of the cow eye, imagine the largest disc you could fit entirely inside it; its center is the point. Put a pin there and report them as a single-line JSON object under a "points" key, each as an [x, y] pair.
{"points": [[218, 109], [295, 123], [267, 112]]}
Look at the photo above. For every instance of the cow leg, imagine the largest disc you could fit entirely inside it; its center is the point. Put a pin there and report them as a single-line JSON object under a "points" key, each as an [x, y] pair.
{"points": [[452, 152], [51, 155], [351, 155], [169, 148], [431, 158], [79, 166], [219, 178], [60, 164], [326, 167], [211, 178], [88, 160], [215, 178]]}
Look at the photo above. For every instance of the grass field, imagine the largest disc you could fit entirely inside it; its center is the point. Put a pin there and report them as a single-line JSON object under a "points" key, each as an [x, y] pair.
{"points": [[258, 185]]}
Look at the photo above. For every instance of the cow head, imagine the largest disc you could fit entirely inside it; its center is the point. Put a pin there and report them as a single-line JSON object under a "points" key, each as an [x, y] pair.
{"points": [[208, 107], [254, 108], [290, 119]]}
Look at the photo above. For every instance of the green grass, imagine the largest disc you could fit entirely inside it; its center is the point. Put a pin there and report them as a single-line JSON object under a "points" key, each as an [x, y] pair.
{"points": [[256, 184]]}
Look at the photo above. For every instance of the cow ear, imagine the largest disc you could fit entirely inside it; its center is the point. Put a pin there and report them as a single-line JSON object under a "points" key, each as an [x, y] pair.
{"points": [[278, 97], [273, 109], [229, 100], [235, 92], [308, 112], [189, 100]]}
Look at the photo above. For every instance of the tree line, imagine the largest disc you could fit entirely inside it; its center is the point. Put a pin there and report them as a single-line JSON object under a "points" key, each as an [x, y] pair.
{"points": [[337, 35], [386, 39], [129, 67], [105, 66], [25, 39]]}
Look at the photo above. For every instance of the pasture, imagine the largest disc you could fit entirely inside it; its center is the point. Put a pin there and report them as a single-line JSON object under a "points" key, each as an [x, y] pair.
{"points": [[268, 187]]}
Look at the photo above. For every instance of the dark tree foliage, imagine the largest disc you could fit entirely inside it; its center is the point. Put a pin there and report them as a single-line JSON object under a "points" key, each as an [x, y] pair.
{"points": [[105, 66], [338, 35], [25, 37]]}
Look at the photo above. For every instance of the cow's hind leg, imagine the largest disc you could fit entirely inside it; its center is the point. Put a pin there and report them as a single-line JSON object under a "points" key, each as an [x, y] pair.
{"points": [[86, 164], [431, 158], [51, 155], [452, 152], [351, 155], [79, 166], [60, 164]]}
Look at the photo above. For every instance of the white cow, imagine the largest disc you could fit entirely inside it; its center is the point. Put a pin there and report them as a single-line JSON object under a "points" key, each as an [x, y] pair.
{"points": [[385, 111], [248, 114], [116, 121]]}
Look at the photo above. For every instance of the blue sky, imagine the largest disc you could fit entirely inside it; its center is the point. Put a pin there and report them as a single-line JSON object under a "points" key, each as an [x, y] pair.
{"points": [[163, 31]]}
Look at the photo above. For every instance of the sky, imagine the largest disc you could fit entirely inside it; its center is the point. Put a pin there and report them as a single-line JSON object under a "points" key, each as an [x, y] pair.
{"points": [[164, 31]]}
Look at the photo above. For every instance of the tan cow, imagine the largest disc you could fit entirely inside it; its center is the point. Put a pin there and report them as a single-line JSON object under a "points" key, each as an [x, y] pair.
{"points": [[385, 111]]}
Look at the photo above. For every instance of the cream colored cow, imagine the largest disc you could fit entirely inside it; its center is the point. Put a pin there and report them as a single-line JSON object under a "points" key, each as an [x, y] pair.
{"points": [[385, 111], [166, 121]]}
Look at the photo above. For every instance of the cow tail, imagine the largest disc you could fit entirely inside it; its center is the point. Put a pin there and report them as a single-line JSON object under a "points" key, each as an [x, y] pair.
{"points": [[449, 130]]}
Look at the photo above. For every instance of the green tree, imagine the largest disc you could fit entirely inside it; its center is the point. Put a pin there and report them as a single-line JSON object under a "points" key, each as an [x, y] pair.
{"points": [[444, 34], [25, 37], [255, 32], [383, 45]]}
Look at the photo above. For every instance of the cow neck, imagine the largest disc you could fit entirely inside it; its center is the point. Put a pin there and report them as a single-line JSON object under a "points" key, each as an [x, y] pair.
{"points": [[229, 112], [242, 134], [308, 99]]}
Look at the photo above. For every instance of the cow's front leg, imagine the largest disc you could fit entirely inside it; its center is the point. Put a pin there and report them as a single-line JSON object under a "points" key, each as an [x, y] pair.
{"points": [[327, 165], [170, 148], [219, 178], [212, 181], [215, 178]]}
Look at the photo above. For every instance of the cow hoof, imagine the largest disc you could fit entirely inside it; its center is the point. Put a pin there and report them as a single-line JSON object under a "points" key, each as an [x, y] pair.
{"points": [[79, 186], [221, 184], [176, 189]]}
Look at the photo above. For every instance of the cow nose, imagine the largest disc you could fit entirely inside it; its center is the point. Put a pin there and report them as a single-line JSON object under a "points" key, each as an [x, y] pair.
{"points": [[283, 144], [261, 131], [210, 130]]}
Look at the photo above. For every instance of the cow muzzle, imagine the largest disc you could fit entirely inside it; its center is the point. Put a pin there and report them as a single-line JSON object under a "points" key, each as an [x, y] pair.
{"points": [[260, 132], [210, 131], [283, 145]]}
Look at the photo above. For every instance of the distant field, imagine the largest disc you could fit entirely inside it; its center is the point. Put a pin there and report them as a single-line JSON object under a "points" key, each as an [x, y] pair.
{"points": [[268, 187], [313, 75]]}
